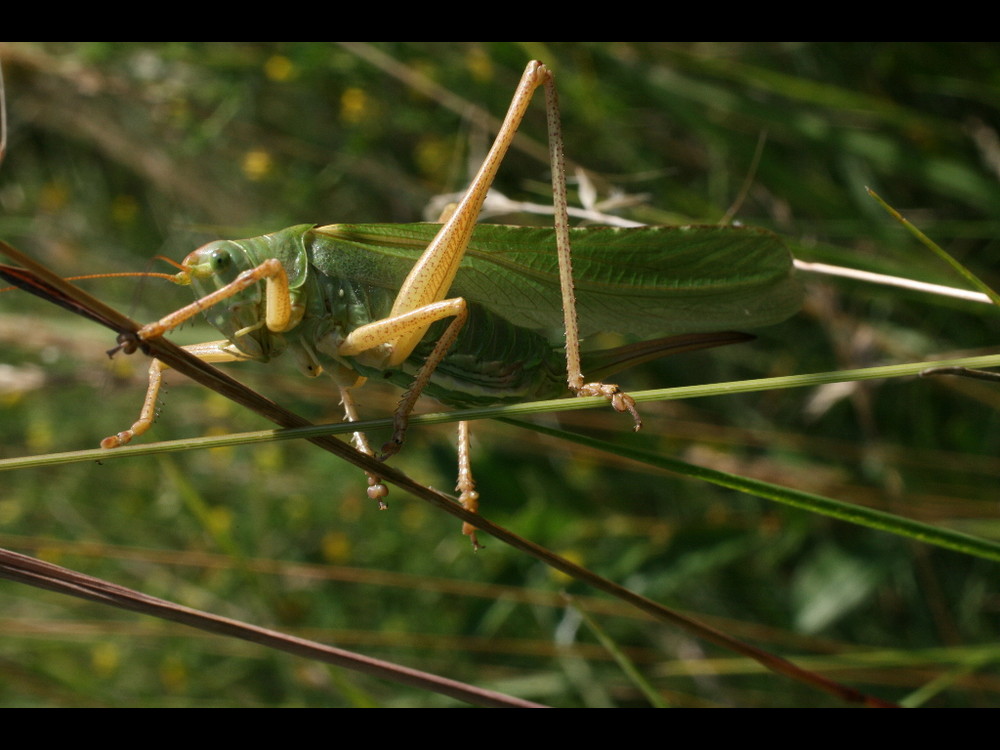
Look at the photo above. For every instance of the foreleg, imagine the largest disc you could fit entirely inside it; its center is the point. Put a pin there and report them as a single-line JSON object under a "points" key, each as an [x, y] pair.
{"points": [[212, 351]]}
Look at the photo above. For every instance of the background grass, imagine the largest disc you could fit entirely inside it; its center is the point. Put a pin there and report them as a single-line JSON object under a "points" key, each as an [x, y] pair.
{"points": [[121, 152]]}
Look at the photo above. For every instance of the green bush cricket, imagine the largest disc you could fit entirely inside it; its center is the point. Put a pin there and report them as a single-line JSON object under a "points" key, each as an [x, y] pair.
{"points": [[357, 301]]}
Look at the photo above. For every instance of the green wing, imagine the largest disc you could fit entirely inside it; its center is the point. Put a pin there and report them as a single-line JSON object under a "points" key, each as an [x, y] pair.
{"points": [[646, 281]]}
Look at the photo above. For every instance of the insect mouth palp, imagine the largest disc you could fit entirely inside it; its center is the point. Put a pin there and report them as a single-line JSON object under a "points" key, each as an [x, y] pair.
{"points": [[182, 278]]}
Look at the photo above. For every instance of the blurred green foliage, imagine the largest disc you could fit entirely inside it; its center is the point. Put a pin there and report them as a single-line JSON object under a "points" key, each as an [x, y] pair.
{"points": [[119, 152]]}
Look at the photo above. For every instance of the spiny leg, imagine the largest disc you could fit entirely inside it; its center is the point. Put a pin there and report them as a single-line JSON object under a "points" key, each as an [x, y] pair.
{"points": [[279, 317], [212, 351], [373, 335], [279, 312], [401, 418], [466, 485], [574, 375], [431, 276], [376, 490], [148, 412]]}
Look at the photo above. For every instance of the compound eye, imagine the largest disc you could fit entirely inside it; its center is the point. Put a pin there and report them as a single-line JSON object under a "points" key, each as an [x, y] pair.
{"points": [[221, 259]]}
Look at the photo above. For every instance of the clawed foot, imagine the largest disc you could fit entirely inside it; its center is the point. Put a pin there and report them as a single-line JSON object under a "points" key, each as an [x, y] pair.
{"points": [[620, 400], [470, 501], [118, 440]]}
